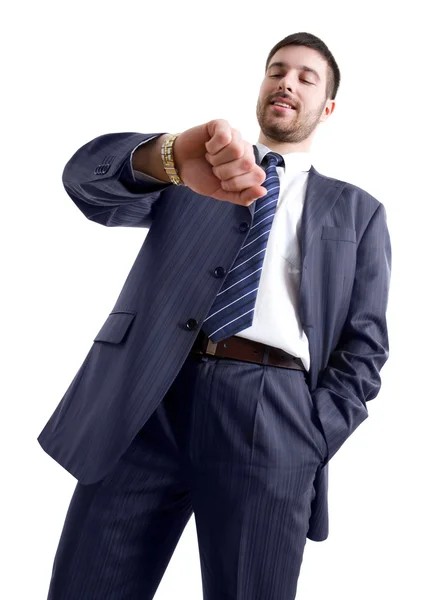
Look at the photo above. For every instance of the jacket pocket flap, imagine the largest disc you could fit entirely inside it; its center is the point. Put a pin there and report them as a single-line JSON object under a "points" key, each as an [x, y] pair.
{"points": [[339, 234], [115, 327]]}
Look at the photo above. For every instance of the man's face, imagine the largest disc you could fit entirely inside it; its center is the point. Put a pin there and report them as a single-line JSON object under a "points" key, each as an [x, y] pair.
{"points": [[303, 89]]}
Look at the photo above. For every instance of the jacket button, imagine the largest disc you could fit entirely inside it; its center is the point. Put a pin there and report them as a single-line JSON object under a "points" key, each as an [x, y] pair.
{"points": [[219, 271], [191, 324], [243, 226]]}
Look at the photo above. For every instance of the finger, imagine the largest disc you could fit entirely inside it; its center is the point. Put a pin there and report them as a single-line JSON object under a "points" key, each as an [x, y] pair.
{"points": [[253, 193], [233, 160], [244, 165], [253, 178], [221, 135], [232, 151], [244, 197]]}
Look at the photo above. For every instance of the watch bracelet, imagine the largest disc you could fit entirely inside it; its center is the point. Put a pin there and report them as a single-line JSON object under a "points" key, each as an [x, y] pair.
{"points": [[167, 152]]}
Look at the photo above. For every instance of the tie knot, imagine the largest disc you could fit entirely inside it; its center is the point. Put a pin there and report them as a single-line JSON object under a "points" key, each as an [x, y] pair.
{"points": [[275, 159]]}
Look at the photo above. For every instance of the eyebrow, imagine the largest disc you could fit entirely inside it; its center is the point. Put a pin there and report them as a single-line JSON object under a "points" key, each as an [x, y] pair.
{"points": [[301, 67]]}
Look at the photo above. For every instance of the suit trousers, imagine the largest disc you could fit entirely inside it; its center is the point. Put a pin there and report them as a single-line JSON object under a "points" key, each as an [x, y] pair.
{"points": [[232, 442]]}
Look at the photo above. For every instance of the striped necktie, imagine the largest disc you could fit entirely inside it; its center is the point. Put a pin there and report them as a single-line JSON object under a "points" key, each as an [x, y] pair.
{"points": [[233, 308]]}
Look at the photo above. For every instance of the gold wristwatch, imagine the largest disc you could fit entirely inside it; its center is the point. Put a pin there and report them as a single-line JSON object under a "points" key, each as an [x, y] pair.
{"points": [[168, 159]]}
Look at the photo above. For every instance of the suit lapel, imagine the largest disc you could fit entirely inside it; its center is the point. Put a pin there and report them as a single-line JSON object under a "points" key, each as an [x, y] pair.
{"points": [[321, 195], [251, 207]]}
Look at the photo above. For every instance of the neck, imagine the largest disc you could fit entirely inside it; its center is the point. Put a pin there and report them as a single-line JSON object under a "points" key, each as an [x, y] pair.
{"points": [[285, 147]]}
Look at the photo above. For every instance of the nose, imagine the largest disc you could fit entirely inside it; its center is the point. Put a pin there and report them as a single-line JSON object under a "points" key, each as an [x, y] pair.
{"points": [[284, 86]]}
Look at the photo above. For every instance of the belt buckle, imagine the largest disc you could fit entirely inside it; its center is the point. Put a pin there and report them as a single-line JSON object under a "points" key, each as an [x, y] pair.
{"points": [[210, 347]]}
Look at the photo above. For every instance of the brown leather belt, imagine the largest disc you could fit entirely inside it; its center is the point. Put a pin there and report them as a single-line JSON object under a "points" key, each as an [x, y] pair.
{"points": [[240, 348]]}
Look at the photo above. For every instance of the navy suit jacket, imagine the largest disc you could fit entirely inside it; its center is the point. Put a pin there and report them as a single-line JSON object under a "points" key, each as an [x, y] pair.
{"points": [[144, 341]]}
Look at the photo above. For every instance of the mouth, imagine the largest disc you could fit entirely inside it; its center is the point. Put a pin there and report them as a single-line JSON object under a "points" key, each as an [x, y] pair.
{"points": [[281, 109]]}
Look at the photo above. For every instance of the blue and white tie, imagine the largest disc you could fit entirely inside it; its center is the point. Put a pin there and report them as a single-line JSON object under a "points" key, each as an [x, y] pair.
{"points": [[233, 308]]}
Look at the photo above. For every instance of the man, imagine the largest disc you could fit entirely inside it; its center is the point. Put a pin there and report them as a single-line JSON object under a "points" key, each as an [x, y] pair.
{"points": [[239, 356]]}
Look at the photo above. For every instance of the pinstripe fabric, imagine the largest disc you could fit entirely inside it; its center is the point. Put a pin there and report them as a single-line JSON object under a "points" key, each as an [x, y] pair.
{"points": [[233, 309], [145, 339], [242, 457]]}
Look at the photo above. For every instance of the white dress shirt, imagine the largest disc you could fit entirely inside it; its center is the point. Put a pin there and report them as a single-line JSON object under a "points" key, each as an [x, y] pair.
{"points": [[276, 320]]}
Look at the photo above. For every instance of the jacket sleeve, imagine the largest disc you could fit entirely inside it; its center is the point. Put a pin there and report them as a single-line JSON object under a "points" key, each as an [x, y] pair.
{"points": [[352, 375], [100, 180]]}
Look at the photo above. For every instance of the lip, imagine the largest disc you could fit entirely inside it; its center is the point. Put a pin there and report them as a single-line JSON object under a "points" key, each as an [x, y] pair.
{"points": [[284, 101], [282, 108]]}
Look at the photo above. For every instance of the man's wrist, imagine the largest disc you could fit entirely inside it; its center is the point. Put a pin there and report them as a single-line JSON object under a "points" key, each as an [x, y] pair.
{"points": [[147, 158]]}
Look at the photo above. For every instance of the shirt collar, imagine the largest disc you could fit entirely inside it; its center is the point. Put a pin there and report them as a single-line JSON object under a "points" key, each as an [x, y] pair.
{"points": [[294, 161]]}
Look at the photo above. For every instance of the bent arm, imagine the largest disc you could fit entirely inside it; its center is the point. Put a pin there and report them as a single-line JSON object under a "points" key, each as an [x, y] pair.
{"points": [[101, 181], [352, 377]]}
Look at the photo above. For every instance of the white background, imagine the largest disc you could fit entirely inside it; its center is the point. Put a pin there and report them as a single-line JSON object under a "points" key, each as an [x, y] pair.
{"points": [[74, 71]]}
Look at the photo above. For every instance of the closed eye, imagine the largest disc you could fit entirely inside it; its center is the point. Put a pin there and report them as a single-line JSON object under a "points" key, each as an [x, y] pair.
{"points": [[304, 80]]}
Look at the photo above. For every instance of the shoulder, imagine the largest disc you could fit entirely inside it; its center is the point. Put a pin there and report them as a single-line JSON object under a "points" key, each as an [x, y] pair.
{"points": [[349, 192]]}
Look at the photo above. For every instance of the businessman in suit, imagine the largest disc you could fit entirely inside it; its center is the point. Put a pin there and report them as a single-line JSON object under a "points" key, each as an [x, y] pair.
{"points": [[239, 355]]}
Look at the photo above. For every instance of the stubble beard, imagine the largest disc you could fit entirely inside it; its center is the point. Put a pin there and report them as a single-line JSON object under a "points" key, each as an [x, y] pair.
{"points": [[281, 129]]}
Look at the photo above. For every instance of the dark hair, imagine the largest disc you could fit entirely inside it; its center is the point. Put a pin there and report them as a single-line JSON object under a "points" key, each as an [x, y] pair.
{"points": [[311, 41]]}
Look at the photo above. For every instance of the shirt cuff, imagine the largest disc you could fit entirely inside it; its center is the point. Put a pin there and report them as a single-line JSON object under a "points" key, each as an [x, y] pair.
{"points": [[139, 176]]}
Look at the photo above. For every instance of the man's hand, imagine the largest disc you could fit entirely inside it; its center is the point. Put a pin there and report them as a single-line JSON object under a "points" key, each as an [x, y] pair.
{"points": [[213, 159]]}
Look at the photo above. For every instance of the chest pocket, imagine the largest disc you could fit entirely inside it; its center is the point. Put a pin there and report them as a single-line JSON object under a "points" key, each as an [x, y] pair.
{"points": [[339, 234], [338, 252]]}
